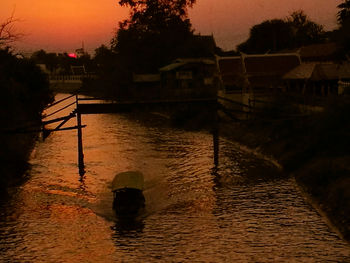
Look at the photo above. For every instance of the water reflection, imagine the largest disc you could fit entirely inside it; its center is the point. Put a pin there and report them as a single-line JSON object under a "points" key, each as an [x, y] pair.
{"points": [[130, 226]]}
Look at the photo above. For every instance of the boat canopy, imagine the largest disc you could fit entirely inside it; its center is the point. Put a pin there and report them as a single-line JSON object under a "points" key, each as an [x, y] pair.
{"points": [[129, 179]]}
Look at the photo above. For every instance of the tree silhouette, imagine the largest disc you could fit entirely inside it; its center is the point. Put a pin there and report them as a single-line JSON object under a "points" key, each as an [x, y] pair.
{"points": [[342, 35], [8, 34], [277, 34], [269, 36], [153, 34], [305, 31], [343, 15]]}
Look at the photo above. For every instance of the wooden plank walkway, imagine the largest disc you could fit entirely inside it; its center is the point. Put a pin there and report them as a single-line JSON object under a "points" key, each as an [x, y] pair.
{"points": [[122, 106]]}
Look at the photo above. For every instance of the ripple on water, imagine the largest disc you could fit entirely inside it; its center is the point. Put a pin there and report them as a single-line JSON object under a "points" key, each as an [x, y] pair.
{"points": [[244, 211]]}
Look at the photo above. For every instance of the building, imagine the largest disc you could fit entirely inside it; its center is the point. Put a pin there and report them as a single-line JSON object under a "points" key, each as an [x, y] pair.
{"points": [[189, 78], [257, 73], [318, 78]]}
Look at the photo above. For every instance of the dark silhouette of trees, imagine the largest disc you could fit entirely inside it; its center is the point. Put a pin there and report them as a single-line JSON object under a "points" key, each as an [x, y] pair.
{"points": [[269, 36], [23, 85], [305, 31], [49, 59], [154, 33], [104, 60], [343, 15], [61, 63], [342, 35], [24, 93], [277, 34]]}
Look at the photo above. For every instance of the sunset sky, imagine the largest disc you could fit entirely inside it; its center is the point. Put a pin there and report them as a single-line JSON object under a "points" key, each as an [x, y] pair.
{"points": [[61, 26]]}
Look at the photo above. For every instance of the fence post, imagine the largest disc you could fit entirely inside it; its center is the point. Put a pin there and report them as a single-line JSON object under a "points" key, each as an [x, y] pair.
{"points": [[80, 141], [216, 136]]}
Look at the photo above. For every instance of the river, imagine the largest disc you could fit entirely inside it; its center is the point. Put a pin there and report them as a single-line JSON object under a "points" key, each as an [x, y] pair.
{"points": [[243, 211]]}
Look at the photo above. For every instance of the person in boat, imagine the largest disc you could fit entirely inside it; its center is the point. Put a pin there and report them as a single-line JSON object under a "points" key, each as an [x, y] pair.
{"points": [[127, 188]]}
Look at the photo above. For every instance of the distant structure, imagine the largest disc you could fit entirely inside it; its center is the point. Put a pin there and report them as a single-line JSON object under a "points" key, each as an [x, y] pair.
{"points": [[80, 51], [260, 72]]}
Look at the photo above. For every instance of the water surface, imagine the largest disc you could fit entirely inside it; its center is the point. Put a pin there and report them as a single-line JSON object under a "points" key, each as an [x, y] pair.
{"points": [[244, 211]]}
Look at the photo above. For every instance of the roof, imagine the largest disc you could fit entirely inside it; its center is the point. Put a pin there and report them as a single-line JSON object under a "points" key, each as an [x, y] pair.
{"points": [[303, 71], [129, 179], [331, 71], [183, 61], [172, 66], [270, 64], [327, 71], [319, 52], [320, 71], [230, 65], [261, 69], [344, 71], [207, 61], [146, 77]]}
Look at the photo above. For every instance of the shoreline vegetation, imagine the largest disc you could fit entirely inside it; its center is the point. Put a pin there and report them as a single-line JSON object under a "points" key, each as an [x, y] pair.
{"points": [[25, 93]]}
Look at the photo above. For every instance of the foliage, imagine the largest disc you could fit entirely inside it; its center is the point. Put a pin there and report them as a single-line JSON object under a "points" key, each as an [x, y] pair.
{"points": [[270, 35], [61, 63], [24, 86], [305, 31], [342, 35], [277, 34], [153, 35], [343, 15]]}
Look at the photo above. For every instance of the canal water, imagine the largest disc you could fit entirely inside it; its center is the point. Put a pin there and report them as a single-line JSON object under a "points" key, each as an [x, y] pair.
{"points": [[244, 211]]}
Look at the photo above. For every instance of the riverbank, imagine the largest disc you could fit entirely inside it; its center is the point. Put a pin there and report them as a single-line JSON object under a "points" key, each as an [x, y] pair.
{"points": [[25, 93], [313, 147], [14, 160]]}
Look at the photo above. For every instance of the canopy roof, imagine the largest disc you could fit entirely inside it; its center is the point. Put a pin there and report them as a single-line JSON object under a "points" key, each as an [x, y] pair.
{"points": [[303, 71], [129, 179]]}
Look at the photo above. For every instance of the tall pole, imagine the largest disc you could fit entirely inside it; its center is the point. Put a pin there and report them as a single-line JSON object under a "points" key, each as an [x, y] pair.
{"points": [[216, 136], [80, 141]]}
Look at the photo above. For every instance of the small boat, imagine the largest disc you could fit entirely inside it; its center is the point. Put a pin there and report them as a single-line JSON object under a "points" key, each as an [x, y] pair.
{"points": [[127, 189]]}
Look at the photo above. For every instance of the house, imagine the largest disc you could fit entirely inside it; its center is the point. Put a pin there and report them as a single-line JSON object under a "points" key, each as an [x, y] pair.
{"points": [[318, 78], [319, 52], [189, 78], [232, 74], [145, 86], [258, 72], [78, 70]]}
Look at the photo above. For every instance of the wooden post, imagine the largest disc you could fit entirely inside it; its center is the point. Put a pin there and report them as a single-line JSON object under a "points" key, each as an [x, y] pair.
{"points": [[216, 138], [80, 142]]}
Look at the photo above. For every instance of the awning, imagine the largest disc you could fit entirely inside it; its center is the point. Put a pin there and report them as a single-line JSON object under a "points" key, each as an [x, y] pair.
{"points": [[129, 179]]}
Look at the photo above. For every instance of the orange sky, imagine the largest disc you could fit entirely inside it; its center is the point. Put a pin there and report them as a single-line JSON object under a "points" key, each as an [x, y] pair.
{"points": [[62, 25]]}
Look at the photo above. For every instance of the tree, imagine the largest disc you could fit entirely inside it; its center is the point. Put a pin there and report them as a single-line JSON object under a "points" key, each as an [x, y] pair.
{"points": [[49, 59], [277, 34], [104, 59], [269, 36], [343, 15], [154, 33], [305, 31], [8, 34], [342, 35]]}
